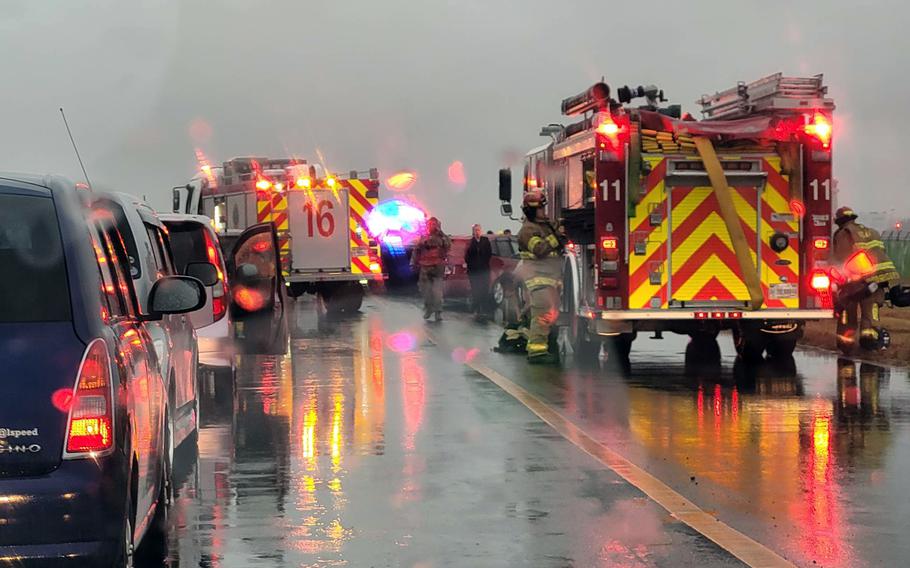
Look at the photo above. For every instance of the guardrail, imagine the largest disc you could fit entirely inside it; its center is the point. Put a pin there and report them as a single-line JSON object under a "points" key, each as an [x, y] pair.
{"points": [[897, 245]]}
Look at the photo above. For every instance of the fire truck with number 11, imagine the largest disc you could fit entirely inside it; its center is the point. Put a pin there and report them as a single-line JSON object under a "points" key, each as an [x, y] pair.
{"points": [[691, 226], [320, 218]]}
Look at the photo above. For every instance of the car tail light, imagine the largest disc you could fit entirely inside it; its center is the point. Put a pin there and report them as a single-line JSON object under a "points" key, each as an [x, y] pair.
{"points": [[821, 282], [220, 293], [90, 427], [249, 299]]}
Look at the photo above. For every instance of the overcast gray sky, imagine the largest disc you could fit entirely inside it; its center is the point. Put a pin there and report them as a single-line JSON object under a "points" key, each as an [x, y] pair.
{"points": [[413, 84]]}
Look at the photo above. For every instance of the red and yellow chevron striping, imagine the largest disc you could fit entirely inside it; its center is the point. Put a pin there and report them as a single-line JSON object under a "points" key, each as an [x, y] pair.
{"points": [[363, 197], [686, 254]]}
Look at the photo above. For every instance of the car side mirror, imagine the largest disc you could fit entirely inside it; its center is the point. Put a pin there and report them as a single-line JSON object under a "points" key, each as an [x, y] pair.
{"points": [[505, 209], [175, 295], [205, 272], [505, 185]]}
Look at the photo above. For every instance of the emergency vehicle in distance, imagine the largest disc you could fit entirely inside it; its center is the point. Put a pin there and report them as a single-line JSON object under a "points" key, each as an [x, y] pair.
{"points": [[691, 226], [320, 218]]}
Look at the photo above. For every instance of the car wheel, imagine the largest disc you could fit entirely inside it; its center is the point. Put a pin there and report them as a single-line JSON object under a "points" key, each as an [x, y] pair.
{"points": [[154, 545], [124, 555]]}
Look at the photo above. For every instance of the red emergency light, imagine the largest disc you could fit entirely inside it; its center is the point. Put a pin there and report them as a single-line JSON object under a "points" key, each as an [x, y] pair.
{"points": [[820, 128], [264, 185]]}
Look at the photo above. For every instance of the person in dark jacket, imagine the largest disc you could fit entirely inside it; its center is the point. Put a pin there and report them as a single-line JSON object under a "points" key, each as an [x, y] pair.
{"points": [[477, 258]]}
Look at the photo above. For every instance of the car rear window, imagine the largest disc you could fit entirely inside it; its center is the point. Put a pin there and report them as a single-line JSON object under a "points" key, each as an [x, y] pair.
{"points": [[187, 244], [126, 233], [33, 287]]}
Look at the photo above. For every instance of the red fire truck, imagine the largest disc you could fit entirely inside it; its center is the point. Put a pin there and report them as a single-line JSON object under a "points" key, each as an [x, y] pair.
{"points": [[320, 218], [691, 226]]}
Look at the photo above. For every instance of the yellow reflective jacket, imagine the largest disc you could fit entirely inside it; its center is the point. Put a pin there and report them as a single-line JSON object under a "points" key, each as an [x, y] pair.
{"points": [[541, 264]]}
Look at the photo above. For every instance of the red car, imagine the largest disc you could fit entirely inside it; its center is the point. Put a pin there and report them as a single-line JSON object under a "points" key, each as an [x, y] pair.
{"points": [[504, 260]]}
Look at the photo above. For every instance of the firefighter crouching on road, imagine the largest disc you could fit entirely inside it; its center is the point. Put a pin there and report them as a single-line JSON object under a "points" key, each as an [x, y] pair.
{"points": [[850, 238], [540, 245], [430, 257]]}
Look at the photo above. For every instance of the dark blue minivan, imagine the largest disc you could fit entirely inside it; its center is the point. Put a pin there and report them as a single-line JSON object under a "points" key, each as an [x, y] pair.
{"points": [[84, 468]]}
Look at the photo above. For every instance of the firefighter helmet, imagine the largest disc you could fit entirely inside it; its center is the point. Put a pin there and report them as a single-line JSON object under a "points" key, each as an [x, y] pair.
{"points": [[534, 198], [843, 215]]}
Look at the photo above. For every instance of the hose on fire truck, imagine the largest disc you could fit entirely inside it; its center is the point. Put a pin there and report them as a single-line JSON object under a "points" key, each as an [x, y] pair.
{"points": [[731, 219]]}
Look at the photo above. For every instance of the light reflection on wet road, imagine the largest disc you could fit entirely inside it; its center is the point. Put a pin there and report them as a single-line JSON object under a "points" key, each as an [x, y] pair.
{"points": [[369, 446]]}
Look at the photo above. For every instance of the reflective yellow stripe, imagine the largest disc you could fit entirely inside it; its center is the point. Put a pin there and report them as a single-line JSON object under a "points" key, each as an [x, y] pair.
{"points": [[870, 245], [553, 241], [533, 242], [537, 348], [540, 282], [874, 312], [887, 265], [527, 255]]}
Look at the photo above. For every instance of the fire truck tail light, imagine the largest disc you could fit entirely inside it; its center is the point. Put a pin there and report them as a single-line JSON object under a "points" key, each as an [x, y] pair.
{"points": [[821, 282], [608, 243], [304, 183], [609, 283], [821, 244], [701, 315], [90, 425]]}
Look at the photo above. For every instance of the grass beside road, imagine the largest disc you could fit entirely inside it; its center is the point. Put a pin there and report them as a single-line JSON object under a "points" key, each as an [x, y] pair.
{"points": [[896, 321]]}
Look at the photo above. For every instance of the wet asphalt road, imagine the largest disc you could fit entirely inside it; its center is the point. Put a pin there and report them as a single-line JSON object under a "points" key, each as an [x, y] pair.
{"points": [[371, 444]]}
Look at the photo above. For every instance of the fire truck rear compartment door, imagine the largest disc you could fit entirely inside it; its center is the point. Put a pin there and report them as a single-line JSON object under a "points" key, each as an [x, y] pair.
{"points": [[703, 267], [320, 234]]}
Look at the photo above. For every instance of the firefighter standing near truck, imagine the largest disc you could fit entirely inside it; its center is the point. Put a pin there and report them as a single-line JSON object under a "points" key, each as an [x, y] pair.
{"points": [[540, 245], [850, 238], [429, 257]]}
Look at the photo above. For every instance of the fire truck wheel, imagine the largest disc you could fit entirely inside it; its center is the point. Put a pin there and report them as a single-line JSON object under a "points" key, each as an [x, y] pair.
{"points": [[296, 289], [703, 345], [346, 298], [781, 347], [750, 344], [621, 345]]}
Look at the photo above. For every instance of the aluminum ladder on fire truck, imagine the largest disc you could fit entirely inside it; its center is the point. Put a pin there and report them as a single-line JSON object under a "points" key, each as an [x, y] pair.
{"points": [[768, 94]]}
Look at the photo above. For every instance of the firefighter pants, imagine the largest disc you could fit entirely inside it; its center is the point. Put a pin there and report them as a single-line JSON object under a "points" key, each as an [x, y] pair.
{"points": [[430, 286], [544, 312], [869, 323]]}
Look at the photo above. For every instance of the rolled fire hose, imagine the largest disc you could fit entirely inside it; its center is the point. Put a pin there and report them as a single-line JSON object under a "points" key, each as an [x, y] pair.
{"points": [[731, 220]]}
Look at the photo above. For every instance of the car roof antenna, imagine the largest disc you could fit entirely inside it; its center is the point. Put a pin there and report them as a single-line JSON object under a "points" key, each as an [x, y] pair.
{"points": [[75, 149]]}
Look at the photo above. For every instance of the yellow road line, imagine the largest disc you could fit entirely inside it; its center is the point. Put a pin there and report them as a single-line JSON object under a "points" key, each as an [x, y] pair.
{"points": [[736, 543]]}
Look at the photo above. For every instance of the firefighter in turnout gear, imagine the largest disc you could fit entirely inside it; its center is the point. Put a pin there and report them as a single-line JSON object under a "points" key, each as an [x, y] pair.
{"points": [[540, 245], [429, 257], [874, 271]]}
